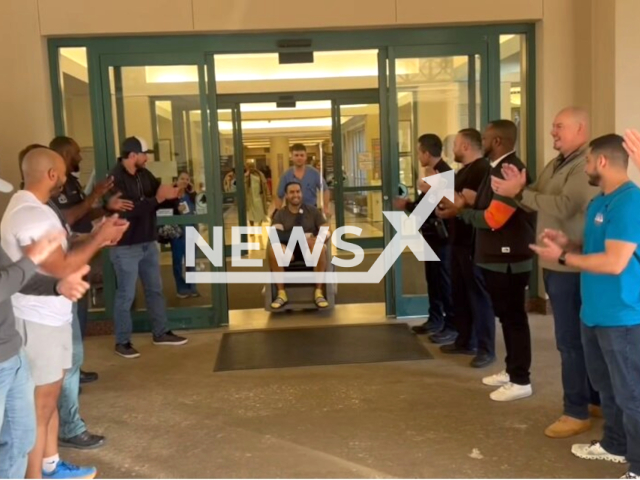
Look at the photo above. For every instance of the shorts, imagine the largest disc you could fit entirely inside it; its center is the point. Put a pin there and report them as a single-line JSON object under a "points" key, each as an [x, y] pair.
{"points": [[48, 349]]}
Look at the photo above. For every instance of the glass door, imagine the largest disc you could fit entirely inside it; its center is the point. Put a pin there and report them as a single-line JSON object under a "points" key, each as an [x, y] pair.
{"points": [[433, 89], [163, 99]]}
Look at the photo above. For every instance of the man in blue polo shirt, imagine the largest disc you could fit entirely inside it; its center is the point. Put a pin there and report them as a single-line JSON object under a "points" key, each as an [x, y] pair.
{"points": [[309, 179], [610, 265]]}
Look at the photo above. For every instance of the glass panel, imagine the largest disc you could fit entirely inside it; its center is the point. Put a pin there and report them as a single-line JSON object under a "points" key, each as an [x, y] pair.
{"points": [[361, 161], [434, 96], [513, 87], [167, 115], [76, 109], [264, 72], [364, 210]]}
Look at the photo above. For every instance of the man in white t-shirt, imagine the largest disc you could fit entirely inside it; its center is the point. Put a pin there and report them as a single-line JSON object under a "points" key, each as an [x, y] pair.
{"points": [[45, 322]]}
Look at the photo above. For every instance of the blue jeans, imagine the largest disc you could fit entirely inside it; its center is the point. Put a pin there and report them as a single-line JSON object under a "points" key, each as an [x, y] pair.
{"points": [[438, 276], [69, 404], [613, 362], [178, 252], [564, 292], [129, 263], [17, 416]]}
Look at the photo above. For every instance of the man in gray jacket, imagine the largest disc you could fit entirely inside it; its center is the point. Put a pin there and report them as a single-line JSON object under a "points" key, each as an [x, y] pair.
{"points": [[561, 195], [16, 388]]}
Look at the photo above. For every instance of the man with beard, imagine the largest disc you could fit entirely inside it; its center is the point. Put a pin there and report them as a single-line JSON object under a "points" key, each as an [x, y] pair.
{"points": [[78, 211], [560, 195], [503, 235], [609, 259], [45, 322], [137, 253], [473, 315]]}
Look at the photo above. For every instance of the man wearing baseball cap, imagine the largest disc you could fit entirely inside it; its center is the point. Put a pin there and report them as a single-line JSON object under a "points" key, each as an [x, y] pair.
{"points": [[136, 255]]}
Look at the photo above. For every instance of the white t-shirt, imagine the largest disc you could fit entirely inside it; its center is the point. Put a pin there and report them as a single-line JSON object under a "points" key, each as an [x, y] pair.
{"points": [[25, 220]]}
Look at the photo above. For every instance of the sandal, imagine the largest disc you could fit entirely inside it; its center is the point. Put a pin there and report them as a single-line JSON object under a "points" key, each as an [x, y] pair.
{"points": [[321, 302], [278, 303]]}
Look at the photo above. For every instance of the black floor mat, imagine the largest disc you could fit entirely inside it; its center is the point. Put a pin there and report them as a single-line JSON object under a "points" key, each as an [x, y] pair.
{"points": [[334, 345]]}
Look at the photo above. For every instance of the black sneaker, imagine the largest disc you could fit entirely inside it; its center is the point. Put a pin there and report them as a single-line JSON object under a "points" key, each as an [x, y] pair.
{"points": [[126, 350], [84, 441], [453, 349], [88, 377], [169, 338], [443, 338], [482, 360], [426, 328]]}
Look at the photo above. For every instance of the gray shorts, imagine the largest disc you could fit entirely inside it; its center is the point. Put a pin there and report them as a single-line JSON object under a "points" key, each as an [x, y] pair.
{"points": [[48, 349]]}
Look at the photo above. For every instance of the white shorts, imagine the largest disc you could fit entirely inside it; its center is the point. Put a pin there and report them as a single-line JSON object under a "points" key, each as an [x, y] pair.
{"points": [[48, 349]]}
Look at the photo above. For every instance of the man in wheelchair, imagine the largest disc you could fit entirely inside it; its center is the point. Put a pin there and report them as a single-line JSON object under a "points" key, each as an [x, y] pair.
{"points": [[296, 214]]}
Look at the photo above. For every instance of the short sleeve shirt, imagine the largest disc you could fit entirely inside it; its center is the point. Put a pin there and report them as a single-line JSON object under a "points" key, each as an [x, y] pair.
{"points": [[309, 218], [310, 183], [72, 194], [612, 300], [26, 220]]}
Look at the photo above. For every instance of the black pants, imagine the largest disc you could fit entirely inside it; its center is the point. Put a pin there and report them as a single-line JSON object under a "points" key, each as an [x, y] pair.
{"points": [[438, 276], [507, 291], [473, 314]]}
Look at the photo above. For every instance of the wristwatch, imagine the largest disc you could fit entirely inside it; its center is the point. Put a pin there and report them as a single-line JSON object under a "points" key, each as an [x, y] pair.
{"points": [[562, 259]]}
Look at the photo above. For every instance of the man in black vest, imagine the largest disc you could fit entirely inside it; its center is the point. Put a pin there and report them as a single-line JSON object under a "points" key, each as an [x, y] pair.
{"points": [[503, 235]]}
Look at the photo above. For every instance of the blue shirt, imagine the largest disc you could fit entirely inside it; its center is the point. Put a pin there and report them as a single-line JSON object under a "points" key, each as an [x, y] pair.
{"points": [[311, 182], [612, 300]]}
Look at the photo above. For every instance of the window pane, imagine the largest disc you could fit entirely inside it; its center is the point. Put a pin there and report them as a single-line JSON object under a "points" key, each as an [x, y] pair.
{"points": [[513, 86]]}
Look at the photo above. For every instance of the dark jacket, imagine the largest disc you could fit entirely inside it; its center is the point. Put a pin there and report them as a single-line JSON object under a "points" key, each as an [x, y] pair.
{"points": [[509, 244], [17, 277], [141, 189], [430, 228]]}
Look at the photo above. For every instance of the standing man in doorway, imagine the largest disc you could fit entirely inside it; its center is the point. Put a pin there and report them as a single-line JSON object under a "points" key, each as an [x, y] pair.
{"points": [[504, 232], [473, 314], [609, 259], [137, 253], [308, 177], [440, 323], [561, 196]]}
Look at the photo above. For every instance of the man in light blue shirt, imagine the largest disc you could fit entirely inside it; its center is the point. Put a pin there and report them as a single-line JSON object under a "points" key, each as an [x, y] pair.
{"points": [[610, 264], [308, 177]]}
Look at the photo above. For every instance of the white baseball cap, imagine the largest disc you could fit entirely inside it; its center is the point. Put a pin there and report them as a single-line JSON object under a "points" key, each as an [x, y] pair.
{"points": [[5, 187]]}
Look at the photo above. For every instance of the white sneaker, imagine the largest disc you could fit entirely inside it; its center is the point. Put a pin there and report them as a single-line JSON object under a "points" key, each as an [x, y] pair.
{"points": [[630, 475], [594, 451], [510, 392], [497, 380]]}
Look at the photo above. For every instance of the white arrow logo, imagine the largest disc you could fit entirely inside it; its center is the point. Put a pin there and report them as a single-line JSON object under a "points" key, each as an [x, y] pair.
{"points": [[407, 236]]}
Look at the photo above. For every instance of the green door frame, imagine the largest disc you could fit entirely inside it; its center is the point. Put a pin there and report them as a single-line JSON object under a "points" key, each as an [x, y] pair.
{"points": [[189, 317], [200, 49], [417, 305]]}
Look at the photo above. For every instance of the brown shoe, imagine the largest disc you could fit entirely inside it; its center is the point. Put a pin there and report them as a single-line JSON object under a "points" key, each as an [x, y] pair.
{"points": [[566, 427], [595, 411]]}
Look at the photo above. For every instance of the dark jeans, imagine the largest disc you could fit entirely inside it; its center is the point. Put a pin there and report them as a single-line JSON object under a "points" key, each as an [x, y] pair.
{"points": [[130, 262], [613, 363], [178, 253], [563, 289], [507, 291], [438, 276], [473, 314], [83, 313]]}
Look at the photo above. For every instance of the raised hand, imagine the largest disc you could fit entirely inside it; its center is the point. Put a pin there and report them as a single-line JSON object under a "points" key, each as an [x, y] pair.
{"points": [[110, 231], [117, 204], [166, 192], [39, 250], [73, 286], [102, 187], [632, 146]]}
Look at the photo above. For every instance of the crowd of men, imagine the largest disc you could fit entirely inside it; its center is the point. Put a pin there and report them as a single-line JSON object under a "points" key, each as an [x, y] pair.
{"points": [[579, 216]]}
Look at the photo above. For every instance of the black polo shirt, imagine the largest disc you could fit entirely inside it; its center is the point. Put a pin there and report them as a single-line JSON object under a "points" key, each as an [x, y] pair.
{"points": [[73, 194]]}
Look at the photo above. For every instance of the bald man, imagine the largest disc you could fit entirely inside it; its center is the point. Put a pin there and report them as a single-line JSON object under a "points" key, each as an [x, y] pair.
{"points": [[561, 195], [45, 322]]}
